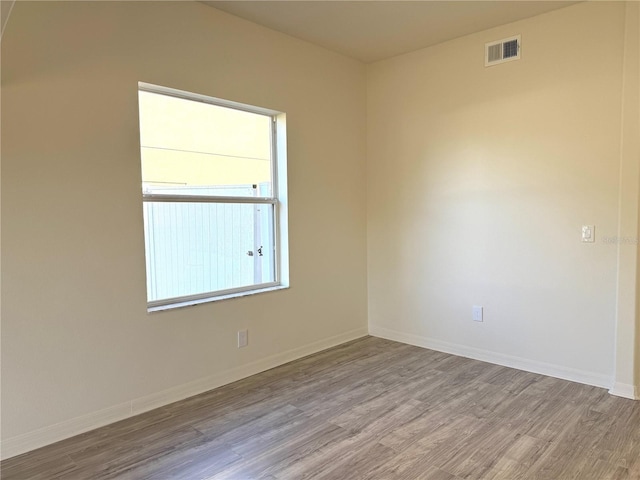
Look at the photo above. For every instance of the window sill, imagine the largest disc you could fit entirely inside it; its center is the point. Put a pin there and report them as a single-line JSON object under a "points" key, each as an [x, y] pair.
{"points": [[218, 298]]}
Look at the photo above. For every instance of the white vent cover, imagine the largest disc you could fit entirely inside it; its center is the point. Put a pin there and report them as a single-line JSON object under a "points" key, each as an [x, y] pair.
{"points": [[501, 51]]}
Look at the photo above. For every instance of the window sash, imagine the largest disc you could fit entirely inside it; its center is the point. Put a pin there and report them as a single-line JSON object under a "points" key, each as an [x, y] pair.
{"points": [[209, 295], [156, 197], [272, 200], [195, 97]]}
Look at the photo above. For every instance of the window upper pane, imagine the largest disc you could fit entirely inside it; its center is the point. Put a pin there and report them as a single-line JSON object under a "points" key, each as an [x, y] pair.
{"points": [[196, 148]]}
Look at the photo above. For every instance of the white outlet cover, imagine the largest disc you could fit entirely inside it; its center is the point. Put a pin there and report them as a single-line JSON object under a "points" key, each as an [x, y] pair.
{"points": [[243, 338], [477, 313]]}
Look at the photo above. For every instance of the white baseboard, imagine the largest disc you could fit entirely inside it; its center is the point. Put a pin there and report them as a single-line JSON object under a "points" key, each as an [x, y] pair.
{"points": [[557, 371], [17, 445], [196, 387], [44, 436], [625, 390]]}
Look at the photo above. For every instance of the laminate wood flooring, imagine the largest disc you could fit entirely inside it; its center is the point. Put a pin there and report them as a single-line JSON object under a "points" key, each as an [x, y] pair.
{"points": [[368, 409]]}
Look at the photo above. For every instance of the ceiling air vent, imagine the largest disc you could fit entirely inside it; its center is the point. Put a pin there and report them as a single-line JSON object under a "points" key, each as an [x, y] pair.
{"points": [[504, 50]]}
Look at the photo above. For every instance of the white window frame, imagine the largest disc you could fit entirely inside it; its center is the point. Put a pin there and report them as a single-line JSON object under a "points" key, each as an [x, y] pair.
{"points": [[278, 199]]}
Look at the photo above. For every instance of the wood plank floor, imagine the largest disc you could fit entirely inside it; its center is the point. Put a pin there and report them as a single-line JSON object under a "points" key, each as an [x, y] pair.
{"points": [[369, 409]]}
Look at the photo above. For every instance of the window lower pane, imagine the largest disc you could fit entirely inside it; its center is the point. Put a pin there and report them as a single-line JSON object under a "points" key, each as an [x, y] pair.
{"points": [[196, 248]]}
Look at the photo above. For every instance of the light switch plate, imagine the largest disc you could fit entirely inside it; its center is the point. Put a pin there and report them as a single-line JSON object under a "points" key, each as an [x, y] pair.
{"points": [[477, 313], [589, 233]]}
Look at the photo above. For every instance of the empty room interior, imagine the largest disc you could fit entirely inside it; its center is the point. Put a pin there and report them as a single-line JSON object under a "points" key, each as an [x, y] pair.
{"points": [[320, 239]]}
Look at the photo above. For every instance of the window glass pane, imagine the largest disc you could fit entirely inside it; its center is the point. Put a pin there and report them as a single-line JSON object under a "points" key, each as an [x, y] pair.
{"points": [[195, 248], [195, 148]]}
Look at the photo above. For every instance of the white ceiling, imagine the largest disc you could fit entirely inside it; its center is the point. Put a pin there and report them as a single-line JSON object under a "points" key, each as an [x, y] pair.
{"points": [[371, 30]]}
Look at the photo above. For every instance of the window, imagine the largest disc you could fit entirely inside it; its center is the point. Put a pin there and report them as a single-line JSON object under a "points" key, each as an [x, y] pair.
{"points": [[214, 197]]}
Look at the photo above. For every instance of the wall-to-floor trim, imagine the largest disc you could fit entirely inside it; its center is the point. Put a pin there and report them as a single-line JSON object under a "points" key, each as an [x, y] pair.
{"points": [[625, 390], [574, 375], [17, 445]]}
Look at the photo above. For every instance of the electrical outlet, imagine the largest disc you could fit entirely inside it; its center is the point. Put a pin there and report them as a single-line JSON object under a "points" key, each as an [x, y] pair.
{"points": [[243, 338], [477, 313]]}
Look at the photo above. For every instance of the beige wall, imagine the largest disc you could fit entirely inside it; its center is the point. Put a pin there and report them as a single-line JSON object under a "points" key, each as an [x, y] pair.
{"points": [[479, 180], [477, 183], [629, 319], [627, 331], [76, 338]]}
